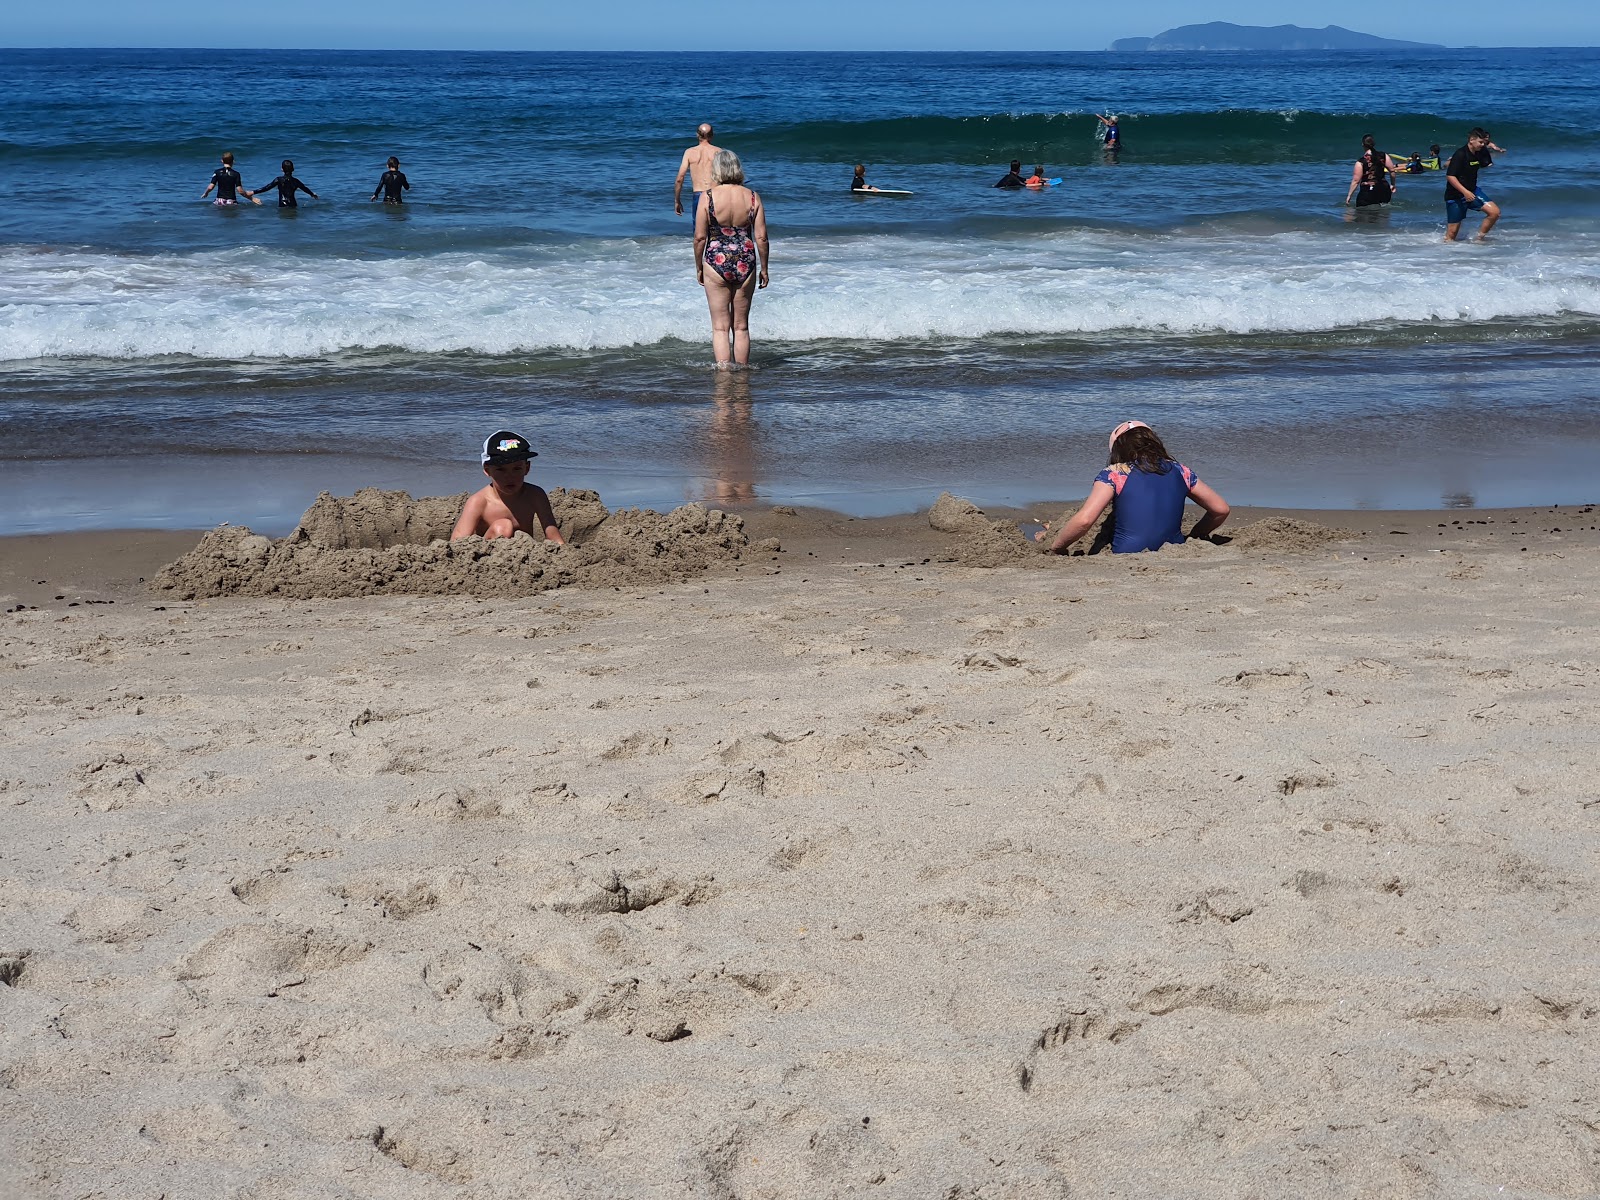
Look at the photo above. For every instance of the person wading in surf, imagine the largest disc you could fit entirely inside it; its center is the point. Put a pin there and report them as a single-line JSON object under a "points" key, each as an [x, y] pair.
{"points": [[228, 184], [1461, 191], [697, 165], [1373, 176]]}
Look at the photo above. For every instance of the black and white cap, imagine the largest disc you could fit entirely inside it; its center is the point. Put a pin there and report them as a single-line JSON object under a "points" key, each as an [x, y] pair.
{"points": [[506, 447]]}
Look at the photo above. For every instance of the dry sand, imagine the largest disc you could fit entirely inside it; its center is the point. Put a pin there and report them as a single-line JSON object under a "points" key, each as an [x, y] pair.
{"points": [[1222, 872]]}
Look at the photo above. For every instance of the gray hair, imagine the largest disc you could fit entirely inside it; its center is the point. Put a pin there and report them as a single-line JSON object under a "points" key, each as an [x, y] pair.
{"points": [[725, 167]]}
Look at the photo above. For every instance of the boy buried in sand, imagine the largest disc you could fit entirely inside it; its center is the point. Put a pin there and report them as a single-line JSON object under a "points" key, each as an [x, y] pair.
{"points": [[510, 503]]}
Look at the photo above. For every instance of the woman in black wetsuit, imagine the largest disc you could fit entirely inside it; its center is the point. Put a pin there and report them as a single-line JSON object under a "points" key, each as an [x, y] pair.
{"points": [[1373, 176]]}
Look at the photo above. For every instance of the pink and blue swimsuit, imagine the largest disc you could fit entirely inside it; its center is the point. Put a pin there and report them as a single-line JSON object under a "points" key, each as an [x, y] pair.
{"points": [[1148, 511]]}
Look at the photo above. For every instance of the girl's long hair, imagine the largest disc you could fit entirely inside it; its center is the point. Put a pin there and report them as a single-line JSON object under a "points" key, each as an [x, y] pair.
{"points": [[1140, 447], [1375, 169]]}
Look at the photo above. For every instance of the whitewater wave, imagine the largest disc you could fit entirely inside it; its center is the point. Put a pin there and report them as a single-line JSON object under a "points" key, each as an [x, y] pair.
{"points": [[263, 304]]}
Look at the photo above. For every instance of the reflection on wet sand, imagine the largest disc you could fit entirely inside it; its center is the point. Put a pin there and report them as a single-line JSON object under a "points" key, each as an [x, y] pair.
{"points": [[731, 439]]}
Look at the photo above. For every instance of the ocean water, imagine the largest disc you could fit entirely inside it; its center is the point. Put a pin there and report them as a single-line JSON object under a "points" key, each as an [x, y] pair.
{"points": [[167, 363]]}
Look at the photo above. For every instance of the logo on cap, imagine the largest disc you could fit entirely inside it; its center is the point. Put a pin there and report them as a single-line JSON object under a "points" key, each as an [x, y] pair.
{"points": [[505, 446]]}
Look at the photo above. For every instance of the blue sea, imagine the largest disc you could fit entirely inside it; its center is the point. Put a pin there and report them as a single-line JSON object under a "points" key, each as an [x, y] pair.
{"points": [[167, 363]]}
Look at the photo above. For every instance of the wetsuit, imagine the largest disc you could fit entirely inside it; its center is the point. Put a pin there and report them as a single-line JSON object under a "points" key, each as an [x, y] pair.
{"points": [[1148, 511], [391, 185], [731, 249], [227, 182], [1464, 165], [858, 183], [1375, 187], [1012, 180], [287, 185]]}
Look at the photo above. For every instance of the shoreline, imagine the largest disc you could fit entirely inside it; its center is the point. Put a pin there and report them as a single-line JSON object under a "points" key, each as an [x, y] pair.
{"points": [[60, 570]]}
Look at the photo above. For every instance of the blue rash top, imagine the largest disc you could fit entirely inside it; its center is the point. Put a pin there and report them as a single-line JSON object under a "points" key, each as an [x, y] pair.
{"points": [[1148, 511]]}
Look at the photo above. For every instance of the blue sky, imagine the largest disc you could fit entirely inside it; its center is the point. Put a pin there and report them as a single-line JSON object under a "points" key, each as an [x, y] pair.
{"points": [[810, 25]]}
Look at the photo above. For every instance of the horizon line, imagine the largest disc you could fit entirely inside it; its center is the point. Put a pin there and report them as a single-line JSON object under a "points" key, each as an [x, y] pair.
{"points": [[1032, 52]]}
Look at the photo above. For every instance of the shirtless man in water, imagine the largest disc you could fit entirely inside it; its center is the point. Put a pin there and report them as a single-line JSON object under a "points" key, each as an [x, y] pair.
{"points": [[697, 165]]}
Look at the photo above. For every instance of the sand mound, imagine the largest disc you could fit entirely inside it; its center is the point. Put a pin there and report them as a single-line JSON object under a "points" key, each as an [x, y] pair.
{"points": [[981, 540], [1286, 534], [952, 514], [375, 520], [386, 543]]}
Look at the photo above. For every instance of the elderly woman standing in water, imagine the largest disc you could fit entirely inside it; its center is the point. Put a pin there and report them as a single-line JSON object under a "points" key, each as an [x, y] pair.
{"points": [[730, 256]]}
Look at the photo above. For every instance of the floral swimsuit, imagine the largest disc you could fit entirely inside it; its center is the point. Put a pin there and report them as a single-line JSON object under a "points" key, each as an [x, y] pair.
{"points": [[731, 249]]}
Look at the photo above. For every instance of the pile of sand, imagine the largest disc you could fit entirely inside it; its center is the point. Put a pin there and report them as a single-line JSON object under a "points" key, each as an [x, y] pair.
{"points": [[373, 519], [387, 543], [1277, 535], [981, 540]]}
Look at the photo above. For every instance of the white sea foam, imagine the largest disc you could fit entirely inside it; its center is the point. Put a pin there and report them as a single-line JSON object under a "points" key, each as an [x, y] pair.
{"points": [[256, 303]]}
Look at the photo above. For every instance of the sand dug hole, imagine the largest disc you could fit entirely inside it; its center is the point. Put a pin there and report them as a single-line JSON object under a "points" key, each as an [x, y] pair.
{"points": [[387, 543]]}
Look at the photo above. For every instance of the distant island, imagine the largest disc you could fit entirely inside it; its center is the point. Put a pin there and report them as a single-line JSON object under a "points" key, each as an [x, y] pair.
{"points": [[1220, 35]]}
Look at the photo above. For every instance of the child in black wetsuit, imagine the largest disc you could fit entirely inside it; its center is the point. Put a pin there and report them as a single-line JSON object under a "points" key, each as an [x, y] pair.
{"points": [[392, 183], [228, 184], [287, 186]]}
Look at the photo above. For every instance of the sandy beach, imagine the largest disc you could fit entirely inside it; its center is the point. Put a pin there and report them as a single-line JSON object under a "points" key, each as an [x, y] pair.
{"points": [[840, 868]]}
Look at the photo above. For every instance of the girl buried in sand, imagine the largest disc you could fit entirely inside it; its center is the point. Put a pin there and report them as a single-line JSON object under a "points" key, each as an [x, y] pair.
{"points": [[1146, 488]]}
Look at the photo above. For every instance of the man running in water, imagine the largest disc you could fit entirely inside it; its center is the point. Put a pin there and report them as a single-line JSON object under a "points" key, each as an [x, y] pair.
{"points": [[697, 165], [228, 184], [392, 183], [1461, 192]]}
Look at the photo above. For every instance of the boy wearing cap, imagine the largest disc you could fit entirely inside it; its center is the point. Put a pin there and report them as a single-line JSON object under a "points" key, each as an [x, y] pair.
{"points": [[510, 503]]}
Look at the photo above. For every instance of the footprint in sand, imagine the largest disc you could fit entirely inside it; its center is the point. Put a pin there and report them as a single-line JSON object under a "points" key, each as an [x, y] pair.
{"points": [[580, 894], [1077, 1028], [399, 899], [1216, 904], [1291, 784], [110, 783], [1268, 678], [1170, 997], [420, 1153], [114, 920], [1311, 883], [710, 787], [13, 965], [640, 742], [795, 853], [266, 958]]}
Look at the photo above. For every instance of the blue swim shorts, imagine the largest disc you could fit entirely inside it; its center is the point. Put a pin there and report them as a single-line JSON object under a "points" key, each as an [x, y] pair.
{"points": [[691, 209], [1455, 208]]}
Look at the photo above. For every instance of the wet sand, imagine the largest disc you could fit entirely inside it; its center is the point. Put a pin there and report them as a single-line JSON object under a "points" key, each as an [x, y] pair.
{"points": [[845, 870], [58, 569]]}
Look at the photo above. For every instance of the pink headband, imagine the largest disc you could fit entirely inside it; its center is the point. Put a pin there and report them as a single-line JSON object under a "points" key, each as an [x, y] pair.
{"points": [[1122, 429]]}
